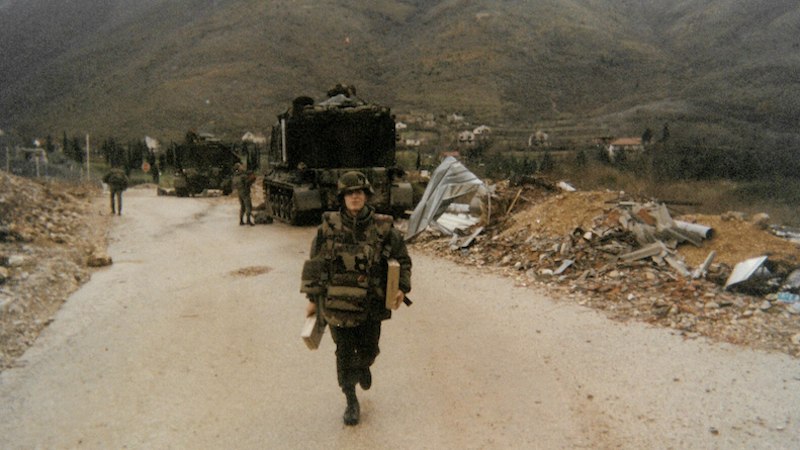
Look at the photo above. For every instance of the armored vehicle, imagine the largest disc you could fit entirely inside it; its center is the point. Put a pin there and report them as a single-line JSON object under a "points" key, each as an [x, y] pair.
{"points": [[203, 162], [312, 144]]}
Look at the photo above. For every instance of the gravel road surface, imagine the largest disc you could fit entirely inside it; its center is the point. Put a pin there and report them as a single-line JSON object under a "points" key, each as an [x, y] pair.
{"points": [[191, 340]]}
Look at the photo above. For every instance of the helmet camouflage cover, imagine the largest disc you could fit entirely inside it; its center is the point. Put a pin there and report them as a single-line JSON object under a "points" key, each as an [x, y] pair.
{"points": [[354, 181]]}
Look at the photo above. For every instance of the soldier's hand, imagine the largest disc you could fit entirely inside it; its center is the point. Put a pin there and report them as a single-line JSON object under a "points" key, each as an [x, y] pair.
{"points": [[311, 309], [398, 299]]}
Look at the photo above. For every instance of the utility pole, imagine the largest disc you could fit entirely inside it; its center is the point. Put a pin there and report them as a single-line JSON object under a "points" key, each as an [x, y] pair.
{"points": [[88, 171], [8, 155]]}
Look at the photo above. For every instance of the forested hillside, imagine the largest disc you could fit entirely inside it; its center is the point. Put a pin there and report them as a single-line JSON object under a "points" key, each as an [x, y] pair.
{"points": [[724, 69]]}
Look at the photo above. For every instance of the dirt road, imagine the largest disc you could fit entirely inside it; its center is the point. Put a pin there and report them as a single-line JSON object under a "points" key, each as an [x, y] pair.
{"points": [[190, 340]]}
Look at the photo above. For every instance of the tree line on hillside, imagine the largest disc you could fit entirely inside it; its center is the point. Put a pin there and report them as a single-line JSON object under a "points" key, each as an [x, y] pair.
{"points": [[670, 156], [134, 154], [666, 157]]}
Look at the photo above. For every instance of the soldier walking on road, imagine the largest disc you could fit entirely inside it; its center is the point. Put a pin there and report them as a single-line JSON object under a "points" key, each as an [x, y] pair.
{"points": [[243, 181], [355, 244], [117, 182]]}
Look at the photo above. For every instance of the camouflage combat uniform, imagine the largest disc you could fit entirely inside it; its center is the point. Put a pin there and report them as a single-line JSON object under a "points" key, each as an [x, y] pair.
{"points": [[242, 181], [356, 251], [117, 182]]}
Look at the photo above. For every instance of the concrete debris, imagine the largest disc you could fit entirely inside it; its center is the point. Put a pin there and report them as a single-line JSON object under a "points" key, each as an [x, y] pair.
{"points": [[634, 261], [792, 282], [454, 223], [564, 186], [654, 249], [564, 265], [701, 231], [51, 232], [791, 234], [702, 269], [459, 243]]}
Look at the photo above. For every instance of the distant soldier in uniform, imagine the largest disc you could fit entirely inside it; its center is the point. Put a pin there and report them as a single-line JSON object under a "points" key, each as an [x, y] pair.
{"points": [[117, 182], [243, 181], [355, 244]]}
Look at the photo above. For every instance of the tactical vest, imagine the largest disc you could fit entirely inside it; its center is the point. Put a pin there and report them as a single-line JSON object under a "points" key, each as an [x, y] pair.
{"points": [[353, 267]]}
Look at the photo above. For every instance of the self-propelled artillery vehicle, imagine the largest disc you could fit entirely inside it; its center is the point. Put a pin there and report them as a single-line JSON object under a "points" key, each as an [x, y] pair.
{"points": [[312, 144], [203, 162]]}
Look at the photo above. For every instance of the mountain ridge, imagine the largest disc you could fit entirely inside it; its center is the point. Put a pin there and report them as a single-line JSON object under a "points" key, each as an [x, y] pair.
{"points": [[229, 66]]}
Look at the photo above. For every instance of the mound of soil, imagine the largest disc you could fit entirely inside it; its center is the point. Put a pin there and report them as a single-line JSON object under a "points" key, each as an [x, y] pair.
{"points": [[572, 245]]}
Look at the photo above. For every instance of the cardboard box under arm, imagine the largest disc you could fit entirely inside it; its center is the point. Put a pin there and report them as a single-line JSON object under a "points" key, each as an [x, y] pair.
{"points": [[392, 284], [312, 331]]}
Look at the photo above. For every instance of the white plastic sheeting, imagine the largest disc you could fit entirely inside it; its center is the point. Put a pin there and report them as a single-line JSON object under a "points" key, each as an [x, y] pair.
{"points": [[449, 181]]}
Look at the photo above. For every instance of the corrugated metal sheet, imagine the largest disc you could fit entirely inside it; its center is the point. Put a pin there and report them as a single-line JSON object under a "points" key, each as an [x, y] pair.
{"points": [[449, 181]]}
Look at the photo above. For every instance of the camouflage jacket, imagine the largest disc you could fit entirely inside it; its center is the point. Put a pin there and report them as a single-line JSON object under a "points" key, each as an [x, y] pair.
{"points": [[354, 252], [242, 181], [116, 179]]}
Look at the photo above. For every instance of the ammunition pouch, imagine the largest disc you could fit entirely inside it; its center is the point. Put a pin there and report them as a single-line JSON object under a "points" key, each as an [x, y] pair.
{"points": [[315, 273], [345, 306]]}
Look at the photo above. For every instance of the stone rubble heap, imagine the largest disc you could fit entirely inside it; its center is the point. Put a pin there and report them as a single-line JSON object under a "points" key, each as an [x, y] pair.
{"points": [[48, 235], [627, 258]]}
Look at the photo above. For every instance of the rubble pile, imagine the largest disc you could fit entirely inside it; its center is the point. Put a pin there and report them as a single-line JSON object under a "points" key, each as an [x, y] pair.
{"points": [[48, 235], [634, 261]]}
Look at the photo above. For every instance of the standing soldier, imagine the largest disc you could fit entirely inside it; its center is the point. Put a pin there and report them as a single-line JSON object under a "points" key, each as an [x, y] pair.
{"points": [[242, 181], [354, 245], [117, 182]]}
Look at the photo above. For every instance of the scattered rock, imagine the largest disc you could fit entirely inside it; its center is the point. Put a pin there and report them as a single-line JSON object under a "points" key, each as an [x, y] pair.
{"points": [[48, 229], [760, 221], [16, 260], [98, 259], [733, 216]]}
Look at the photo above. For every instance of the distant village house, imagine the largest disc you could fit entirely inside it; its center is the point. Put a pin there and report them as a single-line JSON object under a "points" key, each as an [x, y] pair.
{"points": [[627, 146], [466, 138], [455, 118], [539, 139], [481, 130], [254, 138]]}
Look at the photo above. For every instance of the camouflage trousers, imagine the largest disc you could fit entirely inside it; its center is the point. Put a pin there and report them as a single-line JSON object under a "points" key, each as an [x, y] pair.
{"points": [[356, 349], [116, 208], [245, 207]]}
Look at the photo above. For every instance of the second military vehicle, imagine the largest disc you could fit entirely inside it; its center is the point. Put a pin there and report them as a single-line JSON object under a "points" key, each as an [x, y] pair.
{"points": [[203, 162], [314, 143]]}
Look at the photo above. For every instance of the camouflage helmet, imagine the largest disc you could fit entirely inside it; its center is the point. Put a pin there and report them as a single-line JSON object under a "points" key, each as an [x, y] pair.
{"points": [[354, 181]]}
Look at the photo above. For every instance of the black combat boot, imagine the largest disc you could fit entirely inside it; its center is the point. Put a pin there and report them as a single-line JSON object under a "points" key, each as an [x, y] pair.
{"points": [[352, 413], [365, 380]]}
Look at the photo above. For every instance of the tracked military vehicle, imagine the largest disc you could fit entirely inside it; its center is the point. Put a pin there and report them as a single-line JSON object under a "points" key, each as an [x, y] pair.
{"points": [[203, 162], [313, 144]]}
